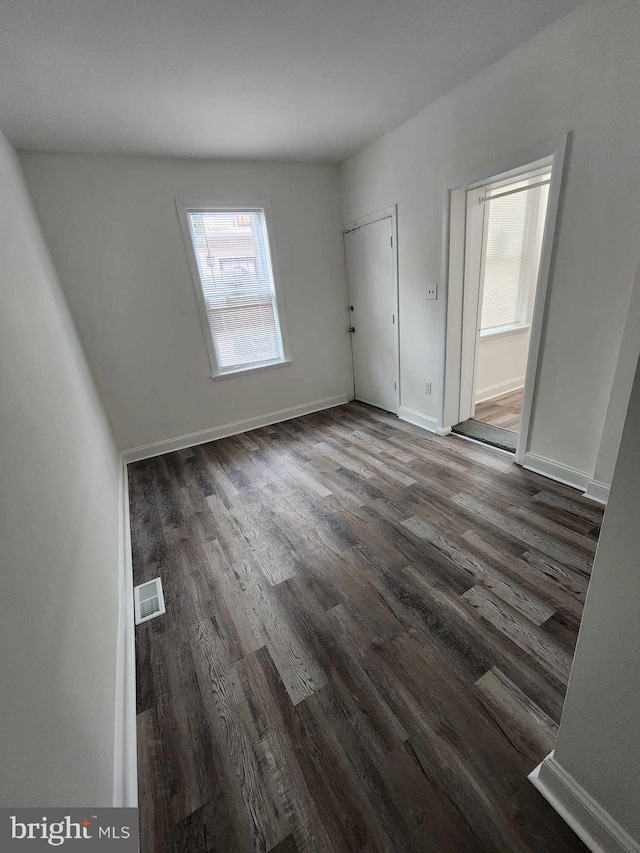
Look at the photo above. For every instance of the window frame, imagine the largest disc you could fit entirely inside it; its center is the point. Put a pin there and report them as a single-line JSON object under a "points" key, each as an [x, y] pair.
{"points": [[186, 206], [503, 331], [531, 248]]}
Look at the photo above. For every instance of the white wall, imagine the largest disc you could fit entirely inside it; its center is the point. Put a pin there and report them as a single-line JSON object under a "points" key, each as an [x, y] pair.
{"points": [[59, 529], [501, 363], [599, 738], [113, 231], [619, 399], [579, 75]]}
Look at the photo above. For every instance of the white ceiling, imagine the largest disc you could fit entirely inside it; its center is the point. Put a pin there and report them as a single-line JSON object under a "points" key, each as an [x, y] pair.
{"points": [[268, 79]]}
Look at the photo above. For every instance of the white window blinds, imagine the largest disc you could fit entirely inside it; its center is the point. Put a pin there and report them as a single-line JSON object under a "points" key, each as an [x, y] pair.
{"points": [[234, 267], [504, 263]]}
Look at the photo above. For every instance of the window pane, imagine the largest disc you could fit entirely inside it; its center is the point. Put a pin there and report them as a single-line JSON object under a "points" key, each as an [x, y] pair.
{"points": [[237, 284], [504, 266]]}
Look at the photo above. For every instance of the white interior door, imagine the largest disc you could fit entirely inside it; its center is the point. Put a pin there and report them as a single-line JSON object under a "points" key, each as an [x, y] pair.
{"points": [[374, 318]]}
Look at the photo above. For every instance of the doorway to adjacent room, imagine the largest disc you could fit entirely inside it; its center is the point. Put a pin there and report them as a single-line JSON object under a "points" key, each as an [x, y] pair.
{"points": [[501, 222], [506, 219]]}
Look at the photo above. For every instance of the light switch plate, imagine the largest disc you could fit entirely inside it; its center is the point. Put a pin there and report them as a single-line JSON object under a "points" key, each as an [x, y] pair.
{"points": [[432, 290]]}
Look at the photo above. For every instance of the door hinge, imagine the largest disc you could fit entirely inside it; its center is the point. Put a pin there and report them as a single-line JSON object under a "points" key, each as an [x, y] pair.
{"points": [[393, 319], [392, 242], [395, 386]]}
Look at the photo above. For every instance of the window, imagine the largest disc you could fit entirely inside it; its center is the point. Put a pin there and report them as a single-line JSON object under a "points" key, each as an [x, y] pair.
{"points": [[231, 263], [512, 245]]}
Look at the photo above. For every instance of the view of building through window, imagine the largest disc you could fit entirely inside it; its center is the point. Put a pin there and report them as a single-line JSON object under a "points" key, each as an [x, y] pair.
{"points": [[236, 278]]}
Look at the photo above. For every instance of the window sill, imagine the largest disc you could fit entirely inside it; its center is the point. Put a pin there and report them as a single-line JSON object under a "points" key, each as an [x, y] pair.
{"points": [[503, 331], [247, 371]]}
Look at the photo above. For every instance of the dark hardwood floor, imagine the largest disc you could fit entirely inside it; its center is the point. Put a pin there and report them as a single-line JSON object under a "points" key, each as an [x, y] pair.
{"points": [[367, 640], [504, 412]]}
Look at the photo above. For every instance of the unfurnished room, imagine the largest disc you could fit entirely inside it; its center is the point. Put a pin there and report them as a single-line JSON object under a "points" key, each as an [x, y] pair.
{"points": [[319, 426]]}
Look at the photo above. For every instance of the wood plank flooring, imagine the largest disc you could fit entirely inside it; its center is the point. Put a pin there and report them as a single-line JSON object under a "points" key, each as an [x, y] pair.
{"points": [[504, 412], [367, 641]]}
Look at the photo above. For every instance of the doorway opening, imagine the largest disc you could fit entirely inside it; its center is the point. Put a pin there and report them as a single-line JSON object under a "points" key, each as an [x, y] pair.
{"points": [[370, 246], [499, 228], [505, 226]]}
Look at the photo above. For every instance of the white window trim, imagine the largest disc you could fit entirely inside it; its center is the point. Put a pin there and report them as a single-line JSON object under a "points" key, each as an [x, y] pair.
{"points": [[246, 371], [184, 206], [502, 331]]}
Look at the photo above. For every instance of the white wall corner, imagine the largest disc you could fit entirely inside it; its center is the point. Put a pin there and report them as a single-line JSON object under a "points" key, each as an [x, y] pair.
{"points": [[556, 471], [181, 442], [597, 491], [588, 819], [125, 758], [419, 419]]}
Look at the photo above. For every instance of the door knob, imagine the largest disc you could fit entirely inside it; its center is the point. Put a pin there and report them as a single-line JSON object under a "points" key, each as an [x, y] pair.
{"points": [[352, 329]]}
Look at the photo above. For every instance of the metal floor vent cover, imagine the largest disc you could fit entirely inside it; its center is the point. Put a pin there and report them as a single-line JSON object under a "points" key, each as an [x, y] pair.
{"points": [[148, 600]]}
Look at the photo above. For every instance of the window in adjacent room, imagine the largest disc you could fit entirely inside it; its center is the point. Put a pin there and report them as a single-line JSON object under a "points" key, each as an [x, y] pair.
{"points": [[514, 224], [232, 267]]}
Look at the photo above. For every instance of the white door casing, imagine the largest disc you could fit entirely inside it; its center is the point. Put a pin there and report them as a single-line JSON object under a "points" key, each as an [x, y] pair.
{"points": [[472, 300]]}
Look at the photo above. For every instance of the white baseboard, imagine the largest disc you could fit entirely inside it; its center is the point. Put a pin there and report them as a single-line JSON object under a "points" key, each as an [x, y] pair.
{"points": [[125, 760], [555, 471], [418, 419], [493, 392], [597, 491], [443, 430], [588, 819], [181, 442]]}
